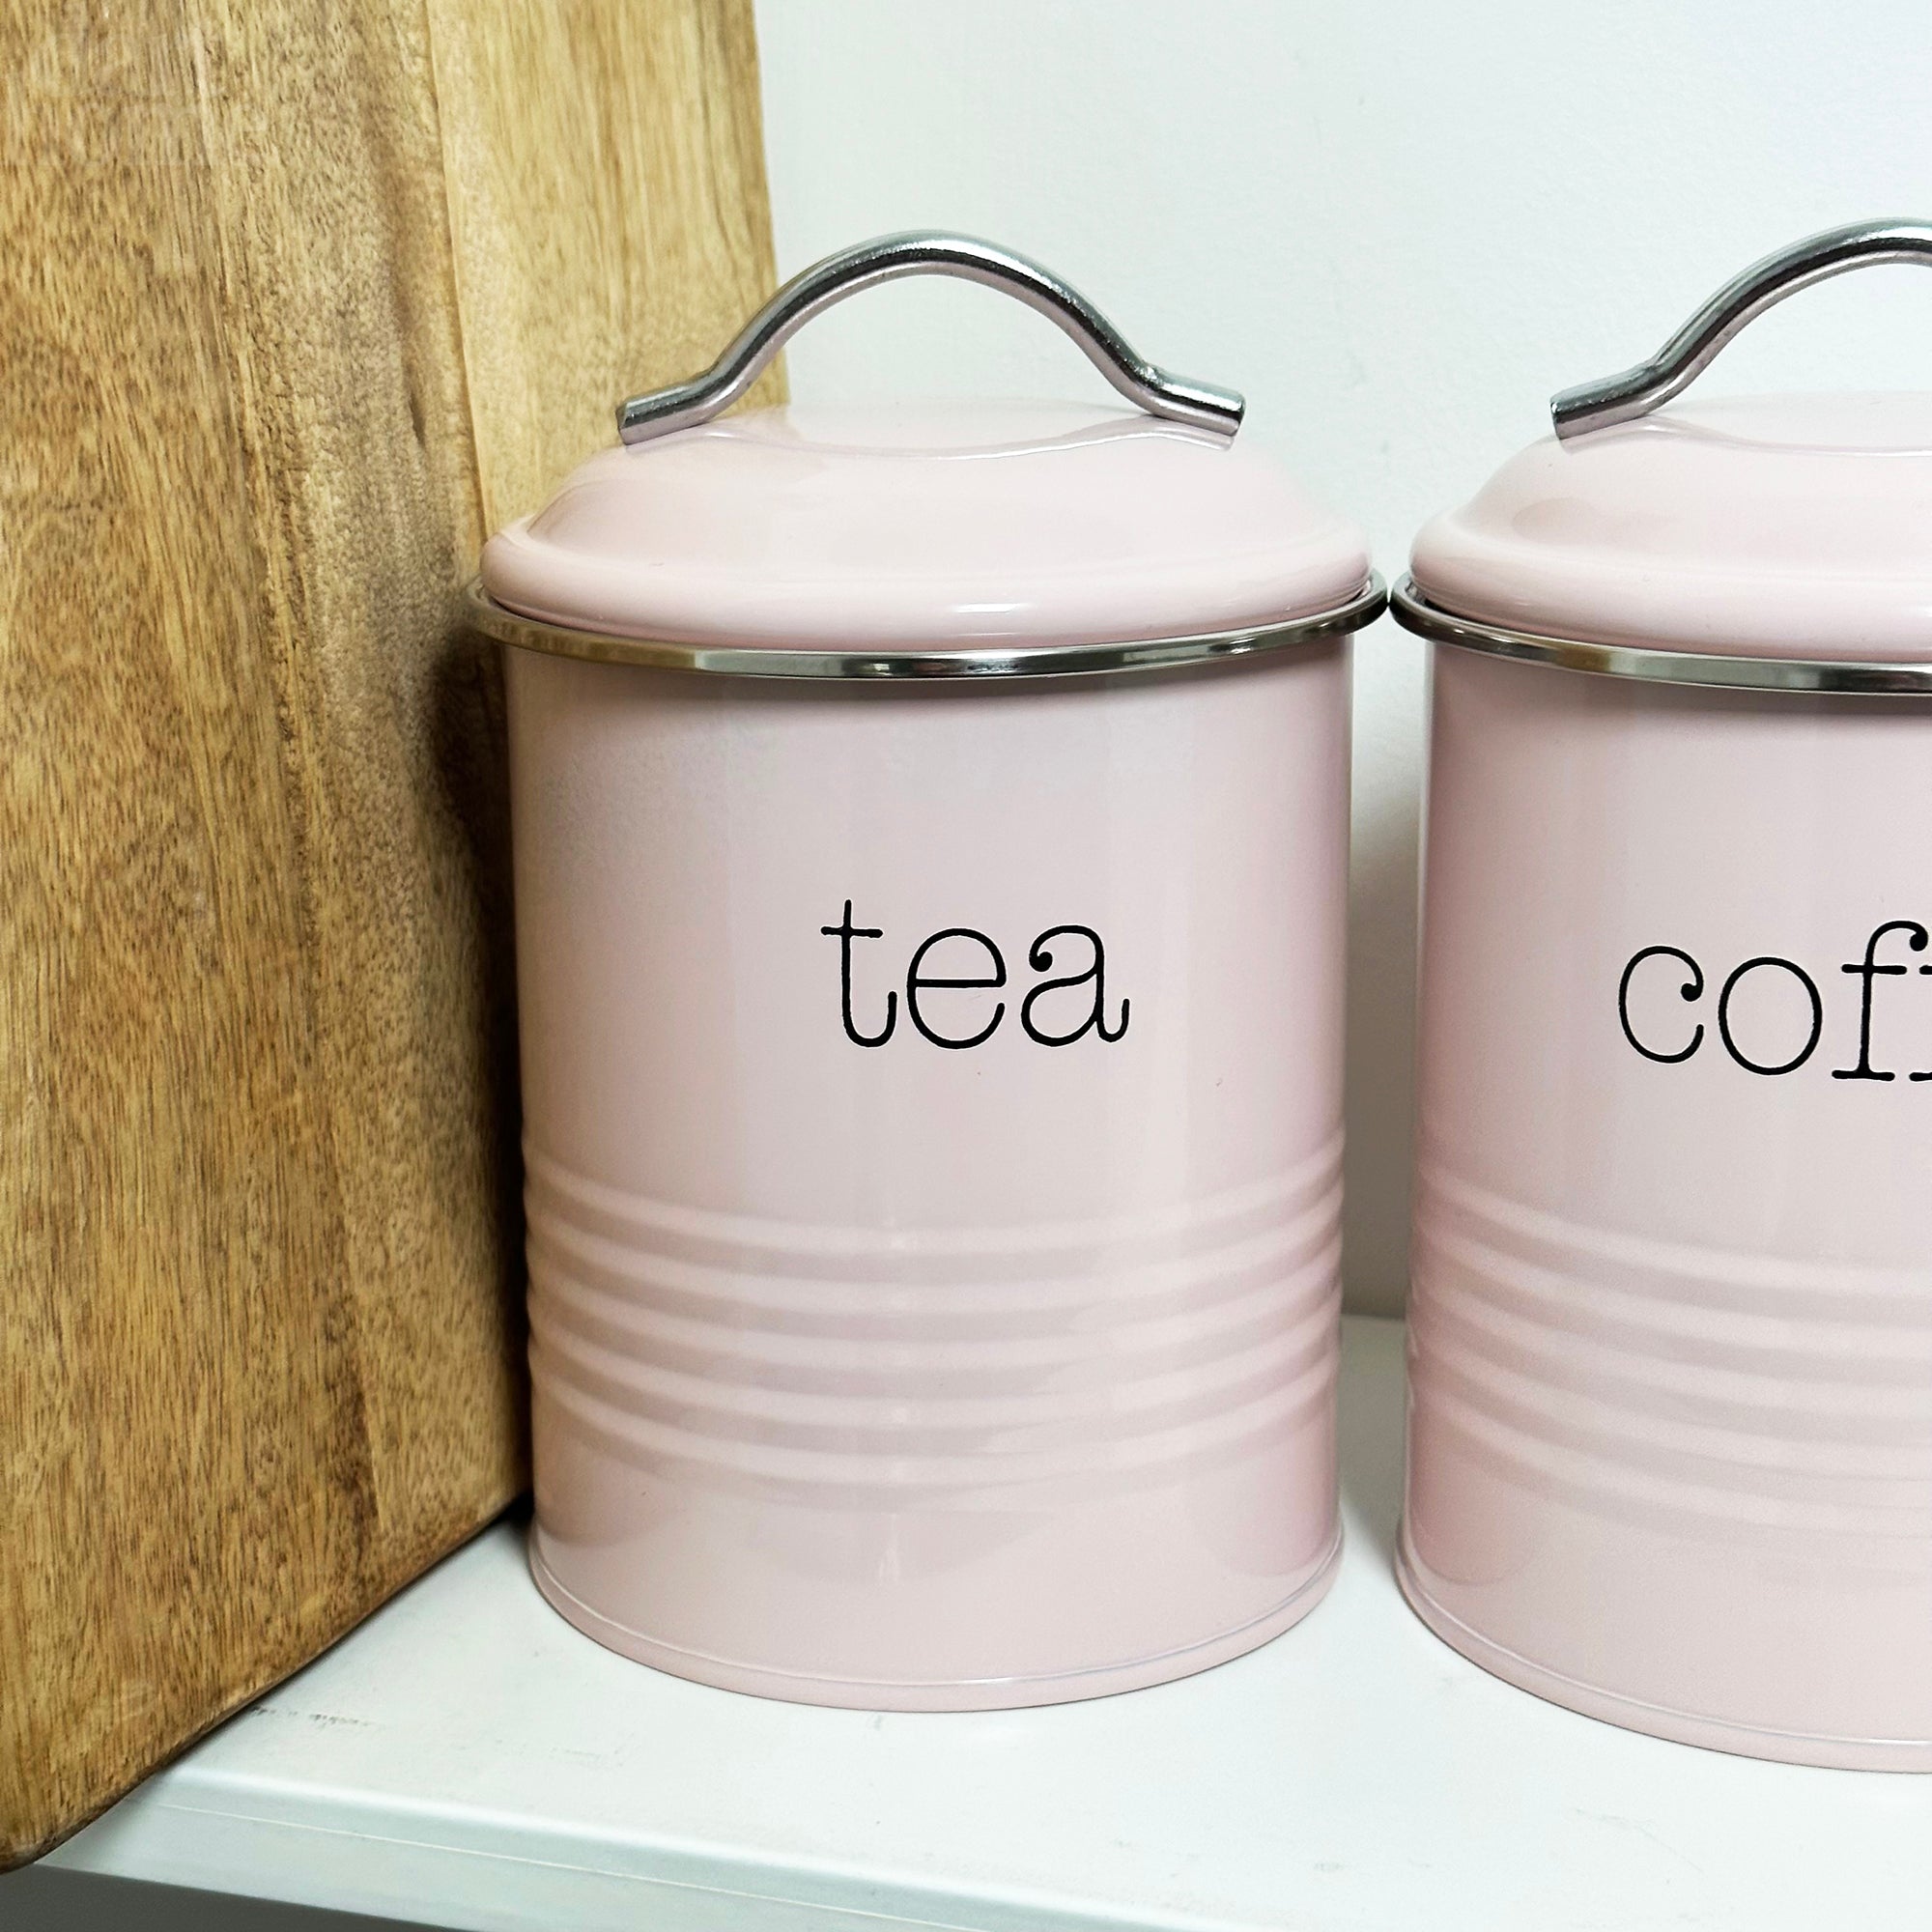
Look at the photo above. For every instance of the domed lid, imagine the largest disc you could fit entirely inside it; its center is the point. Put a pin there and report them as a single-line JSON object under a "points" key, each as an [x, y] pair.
{"points": [[1778, 525], [923, 528], [920, 527], [1786, 527]]}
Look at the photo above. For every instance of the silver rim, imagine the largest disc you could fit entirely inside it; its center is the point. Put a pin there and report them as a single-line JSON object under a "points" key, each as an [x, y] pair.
{"points": [[1413, 611], [530, 634]]}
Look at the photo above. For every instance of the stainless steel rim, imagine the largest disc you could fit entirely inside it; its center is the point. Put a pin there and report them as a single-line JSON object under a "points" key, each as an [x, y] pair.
{"points": [[1413, 611], [530, 634]]}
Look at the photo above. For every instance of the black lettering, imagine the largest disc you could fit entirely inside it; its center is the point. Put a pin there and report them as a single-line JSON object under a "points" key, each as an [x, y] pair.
{"points": [[1805, 1052], [916, 983], [1867, 972], [1692, 989], [845, 933], [1040, 959], [1921, 1076]]}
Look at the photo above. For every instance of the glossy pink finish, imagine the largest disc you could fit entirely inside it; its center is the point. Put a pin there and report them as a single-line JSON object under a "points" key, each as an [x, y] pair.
{"points": [[917, 524], [1774, 526], [1670, 1438], [923, 1376]]}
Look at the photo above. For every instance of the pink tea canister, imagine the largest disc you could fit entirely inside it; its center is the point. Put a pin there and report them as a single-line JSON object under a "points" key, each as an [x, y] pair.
{"points": [[930, 841], [1670, 1409]]}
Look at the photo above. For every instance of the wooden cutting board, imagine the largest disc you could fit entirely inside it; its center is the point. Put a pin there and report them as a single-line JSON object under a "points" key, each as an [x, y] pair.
{"points": [[301, 298]]}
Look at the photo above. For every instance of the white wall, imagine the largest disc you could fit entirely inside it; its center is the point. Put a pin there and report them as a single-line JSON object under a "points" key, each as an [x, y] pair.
{"points": [[1397, 225]]}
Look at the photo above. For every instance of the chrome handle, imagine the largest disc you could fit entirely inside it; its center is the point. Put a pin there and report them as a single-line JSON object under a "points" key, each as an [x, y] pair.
{"points": [[1156, 390], [1689, 351]]}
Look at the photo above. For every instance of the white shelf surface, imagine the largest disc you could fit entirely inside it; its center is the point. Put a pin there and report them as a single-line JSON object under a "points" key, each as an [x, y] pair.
{"points": [[466, 1759]]}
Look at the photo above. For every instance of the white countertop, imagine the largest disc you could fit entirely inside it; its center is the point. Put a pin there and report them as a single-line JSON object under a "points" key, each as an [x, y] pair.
{"points": [[466, 1759]]}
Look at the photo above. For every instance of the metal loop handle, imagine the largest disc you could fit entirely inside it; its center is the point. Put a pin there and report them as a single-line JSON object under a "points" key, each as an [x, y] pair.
{"points": [[1156, 390], [1689, 351]]}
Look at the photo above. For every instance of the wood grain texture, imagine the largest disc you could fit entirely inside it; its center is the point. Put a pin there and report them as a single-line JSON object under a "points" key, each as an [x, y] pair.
{"points": [[300, 297], [657, 211]]}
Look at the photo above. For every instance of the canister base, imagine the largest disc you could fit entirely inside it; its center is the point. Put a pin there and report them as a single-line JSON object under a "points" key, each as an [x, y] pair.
{"points": [[1629, 1714], [1003, 1693]]}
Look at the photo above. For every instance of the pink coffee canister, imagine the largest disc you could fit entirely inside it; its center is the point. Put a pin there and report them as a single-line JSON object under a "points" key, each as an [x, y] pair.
{"points": [[1670, 1409], [931, 833]]}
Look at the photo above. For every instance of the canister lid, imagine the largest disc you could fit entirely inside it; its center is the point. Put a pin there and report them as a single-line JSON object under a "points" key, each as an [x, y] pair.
{"points": [[961, 530], [1792, 528], [921, 526], [1779, 526]]}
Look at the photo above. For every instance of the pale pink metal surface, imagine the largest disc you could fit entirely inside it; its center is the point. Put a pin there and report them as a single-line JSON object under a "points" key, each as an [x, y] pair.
{"points": [[914, 524], [1671, 1448], [1779, 526], [873, 1367]]}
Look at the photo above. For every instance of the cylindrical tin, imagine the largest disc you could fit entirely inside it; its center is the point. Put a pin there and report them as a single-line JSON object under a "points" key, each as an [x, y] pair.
{"points": [[1670, 1413], [931, 1076]]}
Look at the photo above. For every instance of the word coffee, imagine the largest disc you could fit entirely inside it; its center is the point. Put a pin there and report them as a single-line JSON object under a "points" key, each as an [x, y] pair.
{"points": [[1670, 1046]]}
